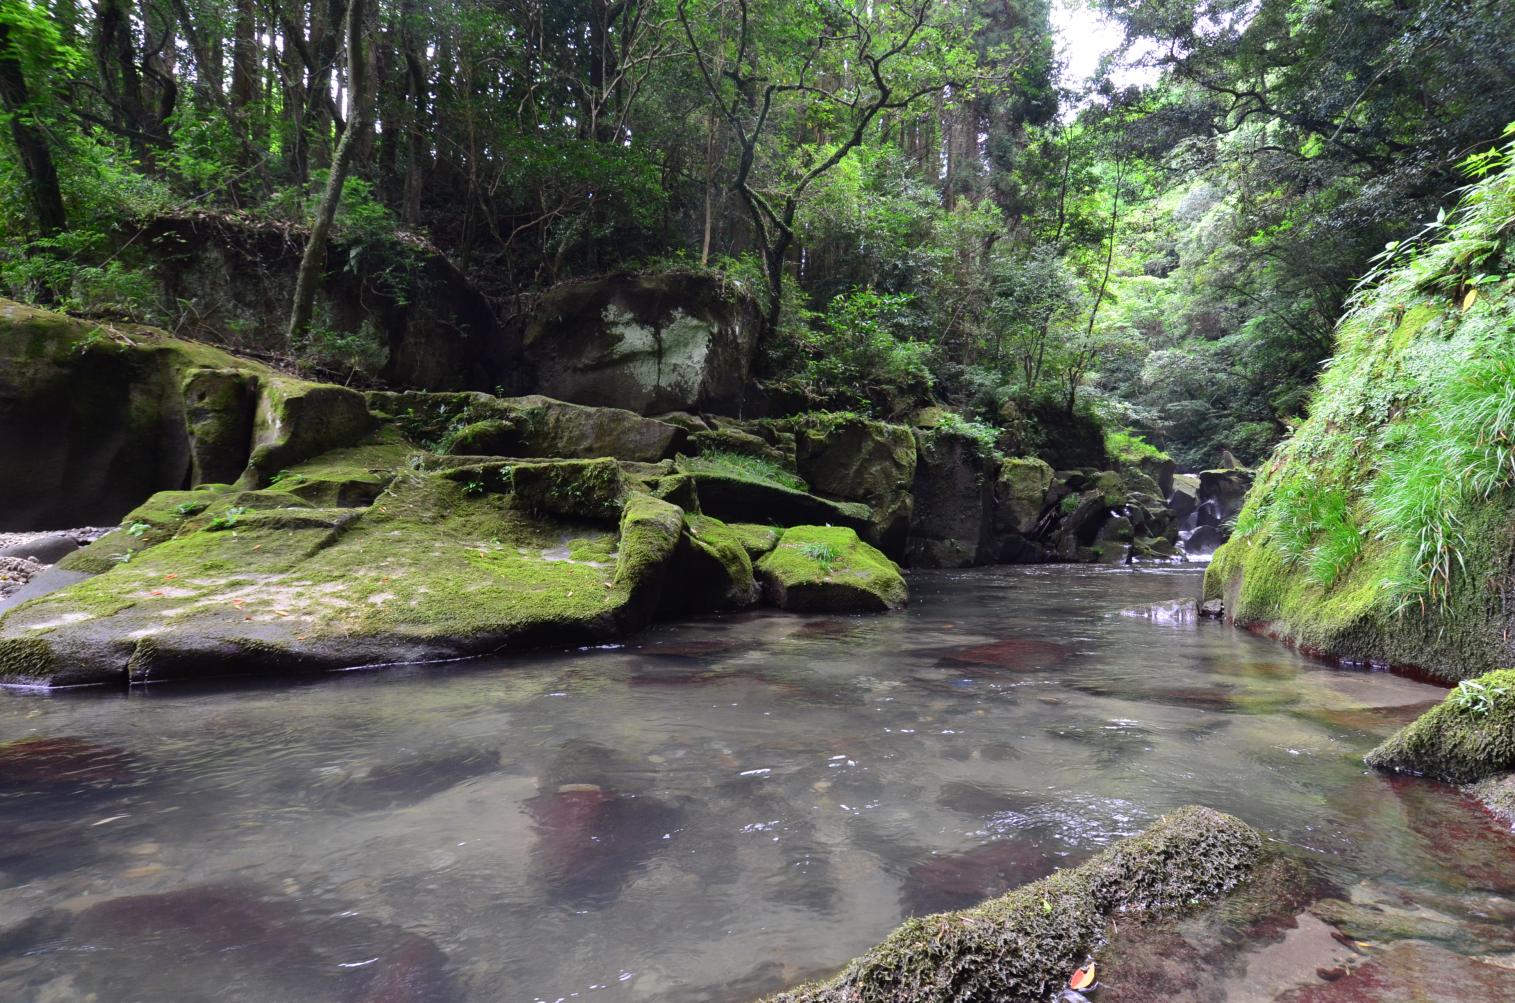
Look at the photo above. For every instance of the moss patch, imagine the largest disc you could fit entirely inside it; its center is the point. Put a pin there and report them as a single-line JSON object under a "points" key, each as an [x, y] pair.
{"points": [[827, 568], [431, 570], [1468, 736], [1023, 945]]}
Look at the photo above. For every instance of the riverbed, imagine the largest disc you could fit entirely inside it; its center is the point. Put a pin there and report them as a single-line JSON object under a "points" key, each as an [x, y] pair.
{"points": [[711, 811]]}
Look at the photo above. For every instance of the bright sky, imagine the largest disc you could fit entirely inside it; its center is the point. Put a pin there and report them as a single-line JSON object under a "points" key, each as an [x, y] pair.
{"points": [[1085, 36]]}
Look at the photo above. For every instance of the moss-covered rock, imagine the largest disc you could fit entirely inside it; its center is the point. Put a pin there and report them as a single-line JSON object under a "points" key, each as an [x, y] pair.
{"points": [[298, 420], [711, 570], [758, 540], [1467, 737], [1024, 945], [1020, 491], [1380, 531], [742, 494], [850, 458], [440, 566], [93, 418], [828, 569], [478, 424], [952, 520]]}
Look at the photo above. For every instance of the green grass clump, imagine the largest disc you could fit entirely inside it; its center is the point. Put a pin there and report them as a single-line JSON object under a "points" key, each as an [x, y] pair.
{"points": [[1374, 530], [746, 467]]}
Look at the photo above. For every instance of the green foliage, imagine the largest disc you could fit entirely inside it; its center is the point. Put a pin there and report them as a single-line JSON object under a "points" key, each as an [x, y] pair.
{"points": [[1131, 449], [1412, 435], [859, 357], [1478, 697]]}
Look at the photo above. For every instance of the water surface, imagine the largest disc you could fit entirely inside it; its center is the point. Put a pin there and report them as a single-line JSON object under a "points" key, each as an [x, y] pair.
{"points": [[712, 811]]}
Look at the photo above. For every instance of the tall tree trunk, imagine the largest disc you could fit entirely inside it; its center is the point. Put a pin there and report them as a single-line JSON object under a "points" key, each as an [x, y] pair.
{"points": [[244, 56], [357, 124], [31, 143]]}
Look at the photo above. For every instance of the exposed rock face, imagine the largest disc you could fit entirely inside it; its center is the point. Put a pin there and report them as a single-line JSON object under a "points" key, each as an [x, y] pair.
{"points": [[1221, 493], [826, 569], [952, 523], [1024, 945], [654, 342], [232, 281], [1020, 491]]}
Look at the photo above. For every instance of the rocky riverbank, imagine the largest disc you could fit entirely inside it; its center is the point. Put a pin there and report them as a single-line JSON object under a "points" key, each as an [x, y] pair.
{"points": [[271, 524]]}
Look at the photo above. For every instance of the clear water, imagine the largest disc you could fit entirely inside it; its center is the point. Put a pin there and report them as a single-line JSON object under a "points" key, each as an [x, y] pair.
{"points": [[718, 809]]}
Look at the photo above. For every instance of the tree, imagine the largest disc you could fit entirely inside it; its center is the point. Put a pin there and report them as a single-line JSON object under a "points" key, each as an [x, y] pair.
{"points": [[313, 260], [25, 36], [825, 70]]}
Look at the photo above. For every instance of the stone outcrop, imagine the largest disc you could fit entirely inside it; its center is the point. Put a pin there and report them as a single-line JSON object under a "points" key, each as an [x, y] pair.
{"points": [[651, 342], [349, 530], [1468, 737], [952, 521], [853, 459]]}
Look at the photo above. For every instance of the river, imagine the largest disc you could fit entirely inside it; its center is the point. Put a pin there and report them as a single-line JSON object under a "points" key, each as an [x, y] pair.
{"points": [[711, 811]]}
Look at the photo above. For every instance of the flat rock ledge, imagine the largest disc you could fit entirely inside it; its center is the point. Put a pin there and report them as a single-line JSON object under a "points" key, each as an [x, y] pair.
{"points": [[1024, 945]]}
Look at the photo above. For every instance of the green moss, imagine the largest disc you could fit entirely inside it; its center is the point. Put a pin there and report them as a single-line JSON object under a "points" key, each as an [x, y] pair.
{"points": [[712, 570], [1024, 945], [758, 540], [827, 568], [1380, 530], [1467, 737], [24, 659]]}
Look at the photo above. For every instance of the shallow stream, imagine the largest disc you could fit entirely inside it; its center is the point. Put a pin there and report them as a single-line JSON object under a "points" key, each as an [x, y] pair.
{"points": [[712, 811]]}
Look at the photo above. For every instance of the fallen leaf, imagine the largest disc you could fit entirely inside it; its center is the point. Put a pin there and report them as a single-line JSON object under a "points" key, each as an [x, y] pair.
{"points": [[1083, 978], [169, 578], [156, 592], [1469, 299], [257, 546]]}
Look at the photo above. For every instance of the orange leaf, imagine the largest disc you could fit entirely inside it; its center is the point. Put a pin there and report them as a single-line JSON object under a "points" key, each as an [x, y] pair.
{"points": [[1083, 978]]}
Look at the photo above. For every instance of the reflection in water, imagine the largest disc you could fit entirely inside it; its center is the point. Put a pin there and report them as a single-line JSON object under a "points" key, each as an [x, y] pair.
{"points": [[707, 812]]}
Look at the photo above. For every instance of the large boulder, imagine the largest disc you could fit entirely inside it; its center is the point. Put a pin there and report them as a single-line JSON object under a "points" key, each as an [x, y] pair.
{"points": [[650, 342], [1220, 495], [828, 569], [1024, 945], [751, 491], [952, 521], [458, 562], [855, 459]]}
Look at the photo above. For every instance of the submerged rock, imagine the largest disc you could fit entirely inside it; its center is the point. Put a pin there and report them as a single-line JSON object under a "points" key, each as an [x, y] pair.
{"points": [[827, 569], [1467, 737], [1410, 973], [1024, 945], [57, 763]]}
